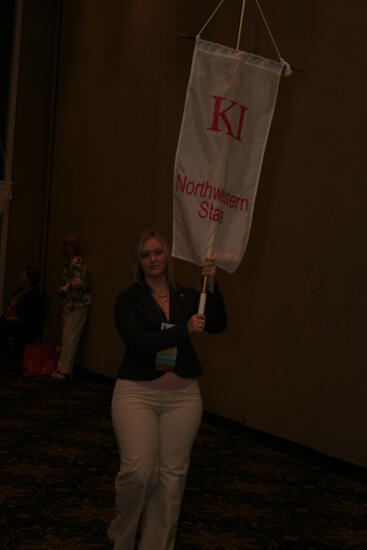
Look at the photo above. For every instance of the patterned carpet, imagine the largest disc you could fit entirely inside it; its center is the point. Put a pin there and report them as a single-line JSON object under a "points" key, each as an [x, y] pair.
{"points": [[59, 460]]}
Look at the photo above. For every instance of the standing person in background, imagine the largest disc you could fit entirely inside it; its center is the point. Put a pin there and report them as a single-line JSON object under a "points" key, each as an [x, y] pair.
{"points": [[156, 404], [76, 300], [21, 322]]}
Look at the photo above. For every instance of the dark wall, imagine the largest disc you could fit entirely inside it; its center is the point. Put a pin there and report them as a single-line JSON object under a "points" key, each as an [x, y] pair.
{"points": [[292, 362], [6, 43], [33, 138]]}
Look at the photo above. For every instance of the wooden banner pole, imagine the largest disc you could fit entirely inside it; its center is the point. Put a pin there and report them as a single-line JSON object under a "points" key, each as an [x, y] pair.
{"points": [[203, 295]]}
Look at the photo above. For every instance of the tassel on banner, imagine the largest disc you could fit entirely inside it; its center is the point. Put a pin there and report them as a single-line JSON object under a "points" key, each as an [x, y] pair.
{"points": [[287, 68]]}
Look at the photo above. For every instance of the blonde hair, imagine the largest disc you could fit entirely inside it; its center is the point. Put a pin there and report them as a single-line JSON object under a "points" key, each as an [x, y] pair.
{"points": [[141, 239]]}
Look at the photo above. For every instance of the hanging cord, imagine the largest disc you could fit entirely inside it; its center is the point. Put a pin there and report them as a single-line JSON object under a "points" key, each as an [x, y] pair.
{"points": [[288, 69], [240, 25], [210, 18]]}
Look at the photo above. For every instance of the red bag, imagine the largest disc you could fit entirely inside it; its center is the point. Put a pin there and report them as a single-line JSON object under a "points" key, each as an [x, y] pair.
{"points": [[39, 359]]}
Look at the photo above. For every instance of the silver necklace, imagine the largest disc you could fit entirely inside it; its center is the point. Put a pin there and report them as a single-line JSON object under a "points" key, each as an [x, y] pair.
{"points": [[163, 297]]}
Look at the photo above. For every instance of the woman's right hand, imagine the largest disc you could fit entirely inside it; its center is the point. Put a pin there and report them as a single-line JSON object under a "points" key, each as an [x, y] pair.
{"points": [[196, 324]]}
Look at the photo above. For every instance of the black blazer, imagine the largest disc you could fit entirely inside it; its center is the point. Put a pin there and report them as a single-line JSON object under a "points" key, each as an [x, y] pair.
{"points": [[138, 321]]}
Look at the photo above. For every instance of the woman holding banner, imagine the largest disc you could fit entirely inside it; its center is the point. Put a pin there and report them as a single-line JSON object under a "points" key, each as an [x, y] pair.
{"points": [[156, 405]]}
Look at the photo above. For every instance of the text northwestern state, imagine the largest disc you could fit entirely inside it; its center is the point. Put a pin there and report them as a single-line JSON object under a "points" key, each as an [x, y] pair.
{"points": [[210, 194]]}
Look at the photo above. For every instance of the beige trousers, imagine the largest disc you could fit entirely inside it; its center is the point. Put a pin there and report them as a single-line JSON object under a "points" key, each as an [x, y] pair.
{"points": [[72, 328], [155, 431]]}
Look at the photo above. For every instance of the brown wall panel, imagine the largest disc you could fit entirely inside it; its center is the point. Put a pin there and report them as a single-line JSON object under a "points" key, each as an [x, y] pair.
{"points": [[292, 361], [32, 138]]}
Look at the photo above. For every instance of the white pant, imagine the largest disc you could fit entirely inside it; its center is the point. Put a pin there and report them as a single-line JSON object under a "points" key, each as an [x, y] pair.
{"points": [[72, 328], [155, 431]]}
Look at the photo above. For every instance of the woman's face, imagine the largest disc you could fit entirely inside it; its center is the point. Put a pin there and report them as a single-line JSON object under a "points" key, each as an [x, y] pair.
{"points": [[153, 261], [23, 278], [68, 249]]}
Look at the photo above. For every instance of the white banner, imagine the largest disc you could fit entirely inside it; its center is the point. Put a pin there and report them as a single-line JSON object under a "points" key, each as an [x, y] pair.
{"points": [[229, 106]]}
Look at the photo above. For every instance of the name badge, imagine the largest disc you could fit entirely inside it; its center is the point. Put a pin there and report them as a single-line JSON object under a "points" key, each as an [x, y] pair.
{"points": [[166, 359]]}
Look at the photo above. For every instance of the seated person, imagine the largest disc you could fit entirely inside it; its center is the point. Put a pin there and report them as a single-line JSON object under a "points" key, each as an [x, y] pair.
{"points": [[21, 321]]}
